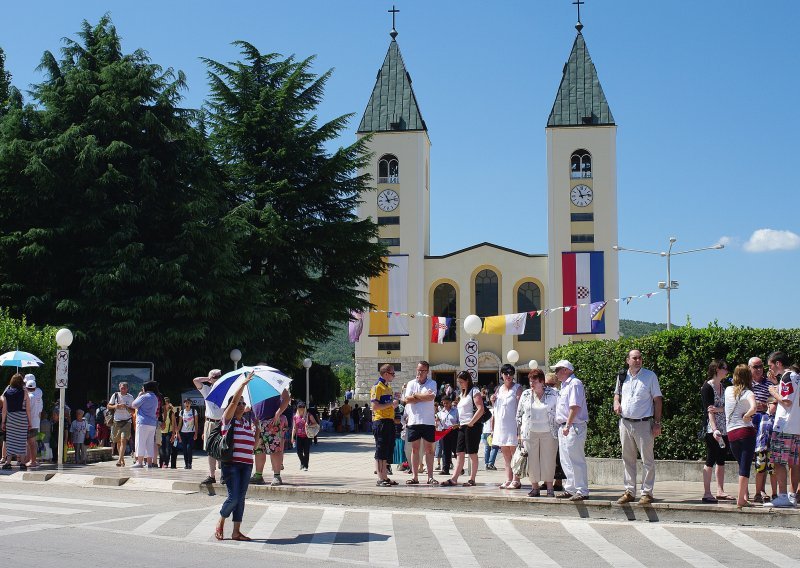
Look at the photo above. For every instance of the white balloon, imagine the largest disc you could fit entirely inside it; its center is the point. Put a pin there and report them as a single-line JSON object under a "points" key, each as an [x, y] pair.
{"points": [[533, 364], [512, 356], [64, 338], [473, 324]]}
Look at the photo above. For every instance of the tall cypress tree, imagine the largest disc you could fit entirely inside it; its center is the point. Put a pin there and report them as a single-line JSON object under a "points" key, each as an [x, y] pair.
{"points": [[301, 243], [113, 212]]}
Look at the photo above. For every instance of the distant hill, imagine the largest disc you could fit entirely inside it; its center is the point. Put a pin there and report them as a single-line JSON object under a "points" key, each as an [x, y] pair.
{"points": [[339, 352]]}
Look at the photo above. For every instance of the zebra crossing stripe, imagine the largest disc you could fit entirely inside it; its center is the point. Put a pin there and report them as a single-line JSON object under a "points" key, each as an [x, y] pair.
{"points": [[752, 546], [41, 509], [265, 525], [13, 519], [455, 548], [69, 501], [204, 530], [524, 548], [28, 528], [325, 534], [597, 543], [662, 538], [382, 551], [155, 522]]}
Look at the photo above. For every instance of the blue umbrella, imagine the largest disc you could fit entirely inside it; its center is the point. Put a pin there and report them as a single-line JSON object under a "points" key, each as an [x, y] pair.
{"points": [[267, 382], [19, 359]]}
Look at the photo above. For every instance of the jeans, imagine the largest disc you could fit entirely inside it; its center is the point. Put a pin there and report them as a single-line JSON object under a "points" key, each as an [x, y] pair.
{"points": [[187, 442], [490, 452], [237, 478], [303, 449], [164, 449]]}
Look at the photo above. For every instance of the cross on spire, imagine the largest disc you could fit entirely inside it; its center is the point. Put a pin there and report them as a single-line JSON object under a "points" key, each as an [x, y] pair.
{"points": [[393, 11], [579, 25]]}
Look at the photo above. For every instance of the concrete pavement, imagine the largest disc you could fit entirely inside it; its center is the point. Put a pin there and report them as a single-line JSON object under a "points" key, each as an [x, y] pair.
{"points": [[341, 473]]}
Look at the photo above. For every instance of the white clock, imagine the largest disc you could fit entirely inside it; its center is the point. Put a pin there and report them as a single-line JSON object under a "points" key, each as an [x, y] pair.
{"points": [[388, 200], [581, 195]]}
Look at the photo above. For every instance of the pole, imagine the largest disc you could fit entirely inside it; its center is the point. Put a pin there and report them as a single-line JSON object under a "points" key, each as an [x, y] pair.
{"points": [[669, 289], [308, 394], [61, 403]]}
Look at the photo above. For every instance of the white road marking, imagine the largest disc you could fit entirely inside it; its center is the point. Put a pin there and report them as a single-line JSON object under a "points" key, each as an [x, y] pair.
{"points": [[155, 522], [382, 551], [12, 519], [596, 542], [264, 527], [325, 533], [662, 538], [41, 509], [751, 545], [27, 528], [527, 551], [456, 550], [204, 530], [68, 501]]}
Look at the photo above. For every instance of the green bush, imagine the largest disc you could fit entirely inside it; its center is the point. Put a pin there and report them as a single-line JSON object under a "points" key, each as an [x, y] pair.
{"points": [[680, 358], [17, 334]]}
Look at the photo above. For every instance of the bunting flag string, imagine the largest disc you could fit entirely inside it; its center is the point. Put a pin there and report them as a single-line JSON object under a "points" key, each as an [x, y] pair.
{"points": [[597, 309]]}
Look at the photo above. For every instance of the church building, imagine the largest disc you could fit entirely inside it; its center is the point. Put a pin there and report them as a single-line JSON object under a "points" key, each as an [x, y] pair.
{"points": [[577, 276]]}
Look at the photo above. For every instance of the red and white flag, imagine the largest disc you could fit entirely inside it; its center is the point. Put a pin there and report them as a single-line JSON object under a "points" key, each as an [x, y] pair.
{"points": [[439, 327]]}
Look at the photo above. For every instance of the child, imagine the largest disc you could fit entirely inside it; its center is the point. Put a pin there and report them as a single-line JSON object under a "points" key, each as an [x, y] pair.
{"points": [[44, 434], [763, 466], [79, 430]]}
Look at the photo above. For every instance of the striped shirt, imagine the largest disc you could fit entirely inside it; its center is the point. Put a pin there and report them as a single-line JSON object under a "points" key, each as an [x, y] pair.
{"points": [[761, 390], [244, 440]]}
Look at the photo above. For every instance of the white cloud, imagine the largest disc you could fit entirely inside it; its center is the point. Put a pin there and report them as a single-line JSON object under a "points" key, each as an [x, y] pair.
{"points": [[766, 240], [726, 241]]}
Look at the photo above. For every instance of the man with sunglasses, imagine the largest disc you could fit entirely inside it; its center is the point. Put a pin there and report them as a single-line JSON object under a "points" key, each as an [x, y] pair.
{"points": [[760, 389], [383, 405], [421, 413]]}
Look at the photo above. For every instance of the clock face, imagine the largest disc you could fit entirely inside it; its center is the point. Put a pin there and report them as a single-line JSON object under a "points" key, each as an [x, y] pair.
{"points": [[388, 200], [581, 195]]}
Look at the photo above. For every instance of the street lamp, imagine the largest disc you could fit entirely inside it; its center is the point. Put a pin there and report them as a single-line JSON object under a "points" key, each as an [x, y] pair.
{"points": [[307, 364], [64, 339], [236, 356], [670, 284]]}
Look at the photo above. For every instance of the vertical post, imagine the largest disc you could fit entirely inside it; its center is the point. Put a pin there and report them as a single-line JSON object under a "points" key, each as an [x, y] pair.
{"points": [[61, 402], [669, 290], [64, 340]]}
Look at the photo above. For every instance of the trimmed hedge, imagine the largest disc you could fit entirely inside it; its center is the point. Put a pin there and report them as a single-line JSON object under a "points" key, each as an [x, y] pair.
{"points": [[680, 358], [18, 334]]}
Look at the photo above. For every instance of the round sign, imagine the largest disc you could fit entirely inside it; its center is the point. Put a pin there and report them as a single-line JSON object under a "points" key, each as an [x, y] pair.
{"points": [[474, 374], [471, 347], [471, 361]]}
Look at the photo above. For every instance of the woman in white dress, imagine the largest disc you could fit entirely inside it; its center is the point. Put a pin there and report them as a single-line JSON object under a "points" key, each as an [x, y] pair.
{"points": [[537, 428], [505, 402]]}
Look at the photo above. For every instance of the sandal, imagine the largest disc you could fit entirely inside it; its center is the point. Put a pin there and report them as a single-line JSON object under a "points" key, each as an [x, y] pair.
{"points": [[412, 482], [708, 500], [448, 483], [432, 481], [469, 483], [514, 485], [390, 481], [504, 485], [383, 483], [241, 537], [218, 534], [725, 497]]}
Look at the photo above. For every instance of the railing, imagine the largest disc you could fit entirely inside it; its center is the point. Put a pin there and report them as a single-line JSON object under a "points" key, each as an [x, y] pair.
{"points": [[392, 179], [580, 175]]}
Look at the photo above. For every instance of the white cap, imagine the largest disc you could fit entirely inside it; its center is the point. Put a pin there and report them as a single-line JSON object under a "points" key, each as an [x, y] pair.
{"points": [[563, 364], [30, 381]]}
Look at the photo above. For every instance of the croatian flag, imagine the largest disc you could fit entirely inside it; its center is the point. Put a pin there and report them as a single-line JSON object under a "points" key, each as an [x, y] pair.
{"points": [[439, 327], [582, 280]]}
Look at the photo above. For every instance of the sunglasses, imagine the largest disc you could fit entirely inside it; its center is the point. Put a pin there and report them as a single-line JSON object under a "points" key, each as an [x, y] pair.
{"points": [[241, 403], [388, 373], [722, 368], [758, 366]]}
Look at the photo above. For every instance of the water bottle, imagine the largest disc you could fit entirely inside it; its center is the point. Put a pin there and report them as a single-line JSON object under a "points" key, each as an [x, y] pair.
{"points": [[721, 442]]}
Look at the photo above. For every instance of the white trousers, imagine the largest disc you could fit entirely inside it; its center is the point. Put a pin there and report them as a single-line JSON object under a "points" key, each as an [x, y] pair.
{"points": [[145, 441], [573, 459], [637, 436]]}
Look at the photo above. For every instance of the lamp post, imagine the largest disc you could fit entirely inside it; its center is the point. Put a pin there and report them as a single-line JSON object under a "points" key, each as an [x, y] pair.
{"points": [[307, 362], [64, 340], [235, 356], [670, 284]]}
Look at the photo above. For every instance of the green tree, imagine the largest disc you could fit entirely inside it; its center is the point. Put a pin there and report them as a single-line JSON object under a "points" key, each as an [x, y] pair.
{"points": [[301, 244], [112, 213]]}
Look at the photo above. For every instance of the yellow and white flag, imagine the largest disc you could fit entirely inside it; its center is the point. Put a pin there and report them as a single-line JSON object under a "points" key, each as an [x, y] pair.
{"points": [[509, 324], [389, 293]]}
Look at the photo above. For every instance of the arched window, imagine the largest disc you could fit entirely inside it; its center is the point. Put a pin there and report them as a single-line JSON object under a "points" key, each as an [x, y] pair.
{"points": [[580, 165], [444, 305], [486, 299], [529, 299], [388, 169]]}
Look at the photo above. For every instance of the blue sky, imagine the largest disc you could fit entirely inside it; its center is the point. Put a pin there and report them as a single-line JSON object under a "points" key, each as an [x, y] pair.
{"points": [[704, 95]]}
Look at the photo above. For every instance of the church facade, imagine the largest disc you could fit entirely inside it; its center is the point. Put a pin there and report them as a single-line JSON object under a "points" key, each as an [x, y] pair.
{"points": [[576, 276]]}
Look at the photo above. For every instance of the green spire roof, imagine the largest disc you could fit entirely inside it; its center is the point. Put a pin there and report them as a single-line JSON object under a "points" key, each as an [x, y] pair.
{"points": [[392, 106], [580, 100]]}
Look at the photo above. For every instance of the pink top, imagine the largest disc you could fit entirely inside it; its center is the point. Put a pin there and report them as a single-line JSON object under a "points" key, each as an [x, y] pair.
{"points": [[300, 424], [244, 440]]}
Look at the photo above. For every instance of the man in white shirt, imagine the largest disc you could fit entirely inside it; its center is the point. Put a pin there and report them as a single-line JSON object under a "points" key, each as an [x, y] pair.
{"points": [[638, 401], [419, 408], [784, 444], [120, 402], [572, 416], [213, 415], [36, 403]]}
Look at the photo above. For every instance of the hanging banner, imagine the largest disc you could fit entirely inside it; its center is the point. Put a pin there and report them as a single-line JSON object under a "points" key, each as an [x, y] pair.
{"points": [[389, 293], [583, 285]]}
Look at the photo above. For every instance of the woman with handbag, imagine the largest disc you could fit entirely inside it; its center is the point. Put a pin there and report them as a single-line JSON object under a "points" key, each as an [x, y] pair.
{"points": [[740, 405], [712, 396], [470, 410], [303, 430], [539, 432], [236, 471]]}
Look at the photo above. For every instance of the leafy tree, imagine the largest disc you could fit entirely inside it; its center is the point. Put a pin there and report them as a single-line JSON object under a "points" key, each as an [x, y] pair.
{"points": [[112, 213], [301, 244], [10, 97]]}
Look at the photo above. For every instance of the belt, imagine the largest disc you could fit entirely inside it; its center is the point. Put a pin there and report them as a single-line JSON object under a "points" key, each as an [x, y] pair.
{"points": [[637, 419], [211, 420]]}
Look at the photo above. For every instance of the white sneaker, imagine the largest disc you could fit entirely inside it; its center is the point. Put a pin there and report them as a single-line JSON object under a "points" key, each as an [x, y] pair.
{"points": [[781, 501], [793, 499], [137, 466]]}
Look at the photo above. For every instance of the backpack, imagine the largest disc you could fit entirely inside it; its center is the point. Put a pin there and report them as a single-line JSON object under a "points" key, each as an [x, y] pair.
{"points": [[218, 446]]}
